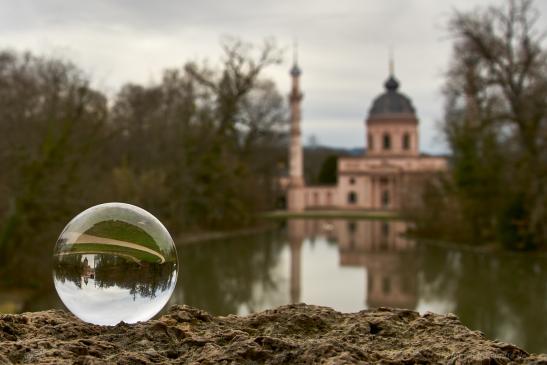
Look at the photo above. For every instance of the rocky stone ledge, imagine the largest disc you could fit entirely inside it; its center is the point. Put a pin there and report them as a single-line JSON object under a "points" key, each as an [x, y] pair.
{"points": [[293, 334]]}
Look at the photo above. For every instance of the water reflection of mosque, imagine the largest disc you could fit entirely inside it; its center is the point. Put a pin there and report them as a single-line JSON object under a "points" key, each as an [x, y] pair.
{"points": [[378, 246], [88, 272]]}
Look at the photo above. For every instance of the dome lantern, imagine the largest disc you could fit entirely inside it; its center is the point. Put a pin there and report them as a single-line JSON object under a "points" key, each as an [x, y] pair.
{"points": [[391, 101]]}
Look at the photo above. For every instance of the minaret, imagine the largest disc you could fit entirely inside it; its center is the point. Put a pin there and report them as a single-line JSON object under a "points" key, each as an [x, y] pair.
{"points": [[295, 199]]}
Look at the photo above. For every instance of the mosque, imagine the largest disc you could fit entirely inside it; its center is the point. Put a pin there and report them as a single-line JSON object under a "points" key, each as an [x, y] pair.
{"points": [[390, 173]]}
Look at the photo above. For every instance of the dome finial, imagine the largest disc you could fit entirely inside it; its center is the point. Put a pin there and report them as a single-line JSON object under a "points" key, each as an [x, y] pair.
{"points": [[391, 83], [391, 62]]}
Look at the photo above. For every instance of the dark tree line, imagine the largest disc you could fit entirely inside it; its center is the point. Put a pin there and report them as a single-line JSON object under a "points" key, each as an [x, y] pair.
{"points": [[496, 127], [200, 149], [145, 279]]}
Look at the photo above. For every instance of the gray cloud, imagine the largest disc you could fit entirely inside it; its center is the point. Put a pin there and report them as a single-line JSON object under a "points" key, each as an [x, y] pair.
{"points": [[343, 47]]}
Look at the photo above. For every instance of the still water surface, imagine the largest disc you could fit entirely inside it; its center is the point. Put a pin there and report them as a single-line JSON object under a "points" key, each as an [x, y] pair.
{"points": [[353, 265]]}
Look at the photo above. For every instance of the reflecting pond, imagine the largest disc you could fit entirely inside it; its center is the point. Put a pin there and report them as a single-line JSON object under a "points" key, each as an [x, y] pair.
{"points": [[355, 264]]}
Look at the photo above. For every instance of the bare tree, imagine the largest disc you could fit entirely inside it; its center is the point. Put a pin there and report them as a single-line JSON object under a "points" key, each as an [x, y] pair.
{"points": [[496, 122]]}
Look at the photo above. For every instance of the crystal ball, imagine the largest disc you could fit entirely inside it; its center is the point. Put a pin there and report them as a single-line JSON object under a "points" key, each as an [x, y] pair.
{"points": [[115, 262]]}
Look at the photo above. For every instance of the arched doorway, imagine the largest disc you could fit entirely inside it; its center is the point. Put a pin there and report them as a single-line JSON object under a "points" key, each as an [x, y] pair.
{"points": [[352, 197]]}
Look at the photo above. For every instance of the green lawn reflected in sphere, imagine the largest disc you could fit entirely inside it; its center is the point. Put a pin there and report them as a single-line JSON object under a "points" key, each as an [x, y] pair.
{"points": [[115, 262]]}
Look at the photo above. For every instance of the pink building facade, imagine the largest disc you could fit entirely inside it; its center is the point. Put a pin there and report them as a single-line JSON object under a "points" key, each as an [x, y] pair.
{"points": [[387, 177]]}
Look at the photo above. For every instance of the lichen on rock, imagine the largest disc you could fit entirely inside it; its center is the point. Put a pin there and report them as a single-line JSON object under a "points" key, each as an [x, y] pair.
{"points": [[292, 334]]}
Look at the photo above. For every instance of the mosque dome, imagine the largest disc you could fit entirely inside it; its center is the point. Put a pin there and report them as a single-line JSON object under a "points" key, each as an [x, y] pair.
{"points": [[391, 101]]}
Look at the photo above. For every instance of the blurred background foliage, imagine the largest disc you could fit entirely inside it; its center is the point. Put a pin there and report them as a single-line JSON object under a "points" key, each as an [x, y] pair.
{"points": [[203, 148], [496, 127], [200, 149]]}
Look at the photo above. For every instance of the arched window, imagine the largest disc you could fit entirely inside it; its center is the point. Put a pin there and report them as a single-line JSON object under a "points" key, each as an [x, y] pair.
{"points": [[351, 180], [385, 198], [370, 142], [406, 141], [387, 141], [352, 197]]}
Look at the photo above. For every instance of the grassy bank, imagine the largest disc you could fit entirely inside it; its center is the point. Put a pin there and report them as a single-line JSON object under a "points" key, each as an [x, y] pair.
{"points": [[332, 214]]}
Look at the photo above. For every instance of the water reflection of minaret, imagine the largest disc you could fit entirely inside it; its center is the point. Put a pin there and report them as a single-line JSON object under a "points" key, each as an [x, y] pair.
{"points": [[296, 236]]}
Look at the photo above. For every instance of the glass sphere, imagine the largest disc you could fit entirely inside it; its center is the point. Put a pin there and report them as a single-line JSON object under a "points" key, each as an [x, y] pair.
{"points": [[115, 262]]}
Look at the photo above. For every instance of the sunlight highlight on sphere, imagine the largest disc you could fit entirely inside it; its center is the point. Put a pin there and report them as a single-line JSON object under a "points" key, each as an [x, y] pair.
{"points": [[115, 262]]}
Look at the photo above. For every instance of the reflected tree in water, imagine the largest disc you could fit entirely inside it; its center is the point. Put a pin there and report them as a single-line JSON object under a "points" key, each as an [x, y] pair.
{"points": [[487, 291], [220, 276], [70, 268], [142, 279]]}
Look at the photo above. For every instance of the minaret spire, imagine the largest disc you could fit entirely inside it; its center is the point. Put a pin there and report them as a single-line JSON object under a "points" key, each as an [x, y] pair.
{"points": [[295, 70], [295, 52], [296, 177]]}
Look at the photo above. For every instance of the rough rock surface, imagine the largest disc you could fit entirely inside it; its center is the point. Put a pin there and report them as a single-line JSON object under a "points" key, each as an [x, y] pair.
{"points": [[293, 334]]}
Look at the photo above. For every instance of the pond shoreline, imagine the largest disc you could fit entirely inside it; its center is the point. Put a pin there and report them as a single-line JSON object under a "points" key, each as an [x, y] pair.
{"points": [[333, 214], [197, 237], [486, 249], [280, 215]]}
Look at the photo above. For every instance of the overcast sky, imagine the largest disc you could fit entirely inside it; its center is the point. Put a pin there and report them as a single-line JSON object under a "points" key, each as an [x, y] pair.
{"points": [[343, 47]]}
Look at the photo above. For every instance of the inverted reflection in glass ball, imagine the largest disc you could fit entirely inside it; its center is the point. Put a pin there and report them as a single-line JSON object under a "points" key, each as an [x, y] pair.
{"points": [[115, 262]]}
